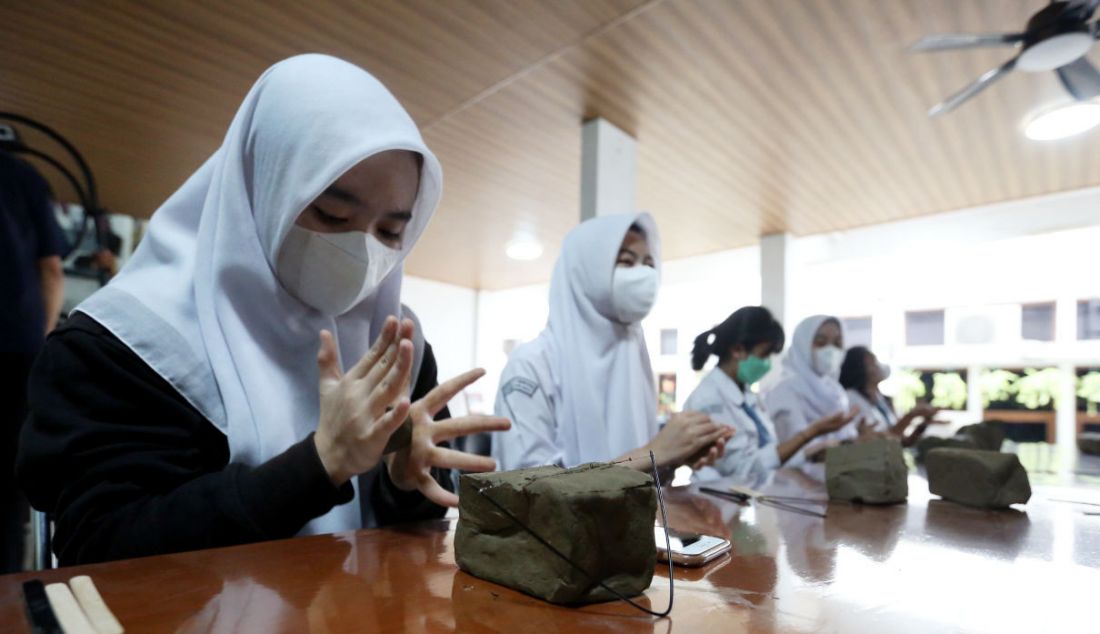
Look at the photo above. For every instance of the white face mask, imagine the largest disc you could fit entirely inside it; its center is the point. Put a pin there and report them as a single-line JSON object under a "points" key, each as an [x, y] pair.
{"points": [[827, 361], [633, 292], [883, 371], [333, 271]]}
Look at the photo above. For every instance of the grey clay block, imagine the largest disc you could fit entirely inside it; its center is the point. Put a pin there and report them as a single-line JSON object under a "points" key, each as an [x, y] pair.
{"points": [[982, 479], [872, 472], [600, 516]]}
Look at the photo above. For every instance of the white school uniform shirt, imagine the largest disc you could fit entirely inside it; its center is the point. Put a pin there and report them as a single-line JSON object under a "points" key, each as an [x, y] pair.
{"points": [[722, 399], [528, 399], [880, 416]]}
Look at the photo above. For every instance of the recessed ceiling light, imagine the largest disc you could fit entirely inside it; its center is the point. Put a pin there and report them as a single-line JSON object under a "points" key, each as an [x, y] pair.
{"points": [[1063, 121], [524, 248]]}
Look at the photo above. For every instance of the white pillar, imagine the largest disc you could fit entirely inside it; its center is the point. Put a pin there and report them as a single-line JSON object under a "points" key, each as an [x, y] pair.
{"points": [[974, 410], [1065, 418], [609, 170], [775, 273]]}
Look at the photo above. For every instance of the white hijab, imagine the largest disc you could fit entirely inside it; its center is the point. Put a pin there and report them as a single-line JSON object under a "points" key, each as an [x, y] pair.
{"points": [[606, 392], [199, 301], [820, 395]]}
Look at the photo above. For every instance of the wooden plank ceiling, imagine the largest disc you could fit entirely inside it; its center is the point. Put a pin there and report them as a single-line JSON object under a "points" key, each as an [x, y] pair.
{"points": [[752, 116]]}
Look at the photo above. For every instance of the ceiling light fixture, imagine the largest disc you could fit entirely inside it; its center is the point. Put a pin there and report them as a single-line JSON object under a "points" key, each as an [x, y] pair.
{"points": [[1063, 121], [524, 248]]}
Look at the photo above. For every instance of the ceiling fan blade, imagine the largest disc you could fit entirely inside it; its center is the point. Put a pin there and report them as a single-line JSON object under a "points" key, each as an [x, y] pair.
{"points": [[1081, 79], [1081, 9], [983, 82], [954, 41]]}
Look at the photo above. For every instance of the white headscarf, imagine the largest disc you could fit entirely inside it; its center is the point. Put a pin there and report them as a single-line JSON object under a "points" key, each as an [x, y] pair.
{"points": [[199, 301], [820, 395], [600, 367]]}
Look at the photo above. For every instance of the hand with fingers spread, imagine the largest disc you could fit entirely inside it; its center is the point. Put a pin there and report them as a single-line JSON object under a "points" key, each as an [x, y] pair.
{"points": [[356, 420], [411, 468]]}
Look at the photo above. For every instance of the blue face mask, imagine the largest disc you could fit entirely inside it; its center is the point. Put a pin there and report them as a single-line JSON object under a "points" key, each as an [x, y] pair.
{"points": [[753, 369]]}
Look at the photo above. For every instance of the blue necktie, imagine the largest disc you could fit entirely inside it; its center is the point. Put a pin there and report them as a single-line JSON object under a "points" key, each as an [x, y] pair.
{"points": [[762, 435]]}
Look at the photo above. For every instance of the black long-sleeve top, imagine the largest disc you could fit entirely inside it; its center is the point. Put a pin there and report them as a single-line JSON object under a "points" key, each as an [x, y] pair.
{"points": [[126, 467]]}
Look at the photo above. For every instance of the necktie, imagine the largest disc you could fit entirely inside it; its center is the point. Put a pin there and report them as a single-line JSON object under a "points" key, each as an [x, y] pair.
{"points": [[762, 434]]}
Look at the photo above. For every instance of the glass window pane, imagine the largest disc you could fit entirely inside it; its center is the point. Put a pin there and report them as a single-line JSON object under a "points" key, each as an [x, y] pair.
{"points": [[924, 328], [1037, 322], [857, 331]]}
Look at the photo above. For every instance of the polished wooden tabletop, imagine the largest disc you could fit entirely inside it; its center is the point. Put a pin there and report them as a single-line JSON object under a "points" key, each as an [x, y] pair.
{"points": [[926, 566]]}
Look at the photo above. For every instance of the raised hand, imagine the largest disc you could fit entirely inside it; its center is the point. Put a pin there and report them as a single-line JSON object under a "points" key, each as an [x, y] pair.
{"points": [[354, 424], [411, 468], [834, 422], [690, 438]]}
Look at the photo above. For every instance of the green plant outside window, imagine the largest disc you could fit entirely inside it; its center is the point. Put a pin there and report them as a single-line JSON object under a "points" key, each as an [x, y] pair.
{"points": [[997, 385], [948, 390], [909, 389], [1039, 388], [1088, 388]]}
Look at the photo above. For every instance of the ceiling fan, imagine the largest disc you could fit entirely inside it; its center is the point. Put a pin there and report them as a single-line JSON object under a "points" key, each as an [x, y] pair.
{"points": [[1056, 38]]}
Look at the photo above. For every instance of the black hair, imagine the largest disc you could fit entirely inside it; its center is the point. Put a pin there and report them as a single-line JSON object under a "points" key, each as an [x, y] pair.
{"points": [[747, 327], [637, 228], [853, 372]]}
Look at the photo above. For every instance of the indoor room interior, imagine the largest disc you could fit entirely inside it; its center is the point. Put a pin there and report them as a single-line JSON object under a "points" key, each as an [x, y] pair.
{"points": [[924, 174]]}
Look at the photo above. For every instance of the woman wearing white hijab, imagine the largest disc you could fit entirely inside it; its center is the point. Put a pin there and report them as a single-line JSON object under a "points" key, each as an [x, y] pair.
{"points": [[177, 410], [808, 390], [583, 391]]}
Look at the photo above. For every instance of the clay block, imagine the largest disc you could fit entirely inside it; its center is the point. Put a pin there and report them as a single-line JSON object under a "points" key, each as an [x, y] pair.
{"points": [[872, 472], [1089, 442], [984, 435], [600, 516], [983, 479], [928, 443]]}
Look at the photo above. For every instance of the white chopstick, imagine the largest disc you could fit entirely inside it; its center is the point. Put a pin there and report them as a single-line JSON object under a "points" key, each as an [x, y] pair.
{"points": [[94, 606], [67, 610]]}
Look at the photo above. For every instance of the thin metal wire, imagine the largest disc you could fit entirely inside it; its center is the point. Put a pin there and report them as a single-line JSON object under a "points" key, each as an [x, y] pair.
{"points": [[566, 559], [790, 508], [783, 503], [1074, 502], [796, 500]]}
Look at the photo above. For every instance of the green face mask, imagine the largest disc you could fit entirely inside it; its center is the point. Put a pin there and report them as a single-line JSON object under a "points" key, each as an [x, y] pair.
{"points": [[753, 369]]}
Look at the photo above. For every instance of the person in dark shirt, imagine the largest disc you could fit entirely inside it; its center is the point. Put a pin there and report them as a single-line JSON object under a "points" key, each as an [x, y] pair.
{"points": [[31, 284], [245, 375]]}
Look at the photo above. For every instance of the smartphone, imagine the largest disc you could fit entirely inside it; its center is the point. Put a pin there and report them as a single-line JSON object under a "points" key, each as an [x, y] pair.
{"points": [[689, 549]]}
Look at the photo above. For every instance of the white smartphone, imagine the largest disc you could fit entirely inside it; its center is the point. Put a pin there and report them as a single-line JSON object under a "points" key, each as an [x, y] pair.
{"points": [[689, 549]]}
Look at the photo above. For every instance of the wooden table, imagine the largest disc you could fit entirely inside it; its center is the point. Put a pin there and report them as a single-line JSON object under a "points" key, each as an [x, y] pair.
{"points": [[929, 566]]}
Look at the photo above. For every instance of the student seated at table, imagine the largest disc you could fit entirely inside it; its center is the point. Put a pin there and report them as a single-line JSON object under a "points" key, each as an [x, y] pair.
{"points": [[744, 344], [223, 388], [583, 391], [808, 390], [860, 375]]}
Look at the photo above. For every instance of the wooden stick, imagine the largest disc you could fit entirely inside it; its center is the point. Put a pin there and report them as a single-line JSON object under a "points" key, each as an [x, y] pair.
{"points": [[94, 605], [68, 611]]}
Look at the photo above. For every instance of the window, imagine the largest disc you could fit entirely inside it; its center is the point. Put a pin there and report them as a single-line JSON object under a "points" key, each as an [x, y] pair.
{"points": [[1037, 321], [857, 331], [1088, 319], [924, 328], [669, 337]]}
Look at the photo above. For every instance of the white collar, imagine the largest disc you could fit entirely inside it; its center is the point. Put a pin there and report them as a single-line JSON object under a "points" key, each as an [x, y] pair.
{"points": [[729, 390]]}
